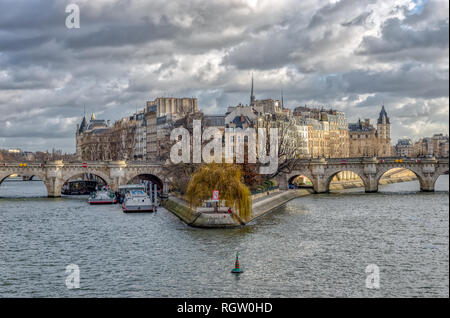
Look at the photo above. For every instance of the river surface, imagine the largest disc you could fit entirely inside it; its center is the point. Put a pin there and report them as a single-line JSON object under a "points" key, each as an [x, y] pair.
{"points": [[315, 246]]}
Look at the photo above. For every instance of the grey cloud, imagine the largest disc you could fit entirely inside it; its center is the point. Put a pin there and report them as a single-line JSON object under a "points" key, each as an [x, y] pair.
{"points": [[416, 81], [359, 20], [120, 35], [398, 37], [127, 52]]}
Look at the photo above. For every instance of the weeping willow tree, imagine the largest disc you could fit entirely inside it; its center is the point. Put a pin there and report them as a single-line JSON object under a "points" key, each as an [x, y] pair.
{"points": [[227, 179]]}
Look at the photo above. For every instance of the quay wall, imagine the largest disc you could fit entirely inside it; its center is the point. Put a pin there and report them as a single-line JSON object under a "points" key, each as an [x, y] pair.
{"points": [[207, 218], [263, 203], [202, 217], [264, 206]]}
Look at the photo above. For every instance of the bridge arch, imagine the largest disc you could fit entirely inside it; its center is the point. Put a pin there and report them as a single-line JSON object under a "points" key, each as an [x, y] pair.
{"points": [[41, 176], [382, 171], [77, 172], [146, 175], [333, 173], [73, 173], [294, 179], [298, 173], [439, 186]]}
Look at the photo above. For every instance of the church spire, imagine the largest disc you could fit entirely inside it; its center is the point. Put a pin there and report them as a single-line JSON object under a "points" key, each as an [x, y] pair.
{"points": [[252, 95]]}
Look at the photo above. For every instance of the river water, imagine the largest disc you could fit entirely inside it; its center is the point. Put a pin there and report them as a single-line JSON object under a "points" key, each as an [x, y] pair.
{"points": [[315, 246]]}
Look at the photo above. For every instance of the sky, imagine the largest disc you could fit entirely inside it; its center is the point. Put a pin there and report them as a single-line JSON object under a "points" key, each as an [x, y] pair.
{"points": [[349, 55]]}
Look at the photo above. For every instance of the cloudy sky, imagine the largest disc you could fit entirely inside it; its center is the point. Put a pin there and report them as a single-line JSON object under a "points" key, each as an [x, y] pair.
{"points": [[352, 55]]}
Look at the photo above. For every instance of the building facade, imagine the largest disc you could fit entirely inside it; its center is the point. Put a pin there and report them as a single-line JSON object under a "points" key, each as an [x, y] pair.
{"points": [[327, 131], [99, 140], [435, 146], [404, 148], [173, 105], [368, 141], [307, 132]]}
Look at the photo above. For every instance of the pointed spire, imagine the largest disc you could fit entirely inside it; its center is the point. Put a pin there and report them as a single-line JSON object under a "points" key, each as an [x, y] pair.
{"points": [[83, 125], [282, 100], [252, 95], [92, 116], [383, 115]]}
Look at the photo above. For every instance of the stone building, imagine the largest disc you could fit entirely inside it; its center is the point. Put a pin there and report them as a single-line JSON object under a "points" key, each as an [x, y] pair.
{"points": [[437, 146], [123, 139], [173, 105], [140, 148], [241, 116], [93, 139], [384, 134], [99, 140], [270, 113], [160, 116], [327, 131], [404, 148], [368, 141], [151, 140], [292, 133]]}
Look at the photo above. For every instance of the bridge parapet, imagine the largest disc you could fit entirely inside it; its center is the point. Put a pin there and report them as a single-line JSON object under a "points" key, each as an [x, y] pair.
{"points": [[370, 170], [55, 173], [319, 171]]}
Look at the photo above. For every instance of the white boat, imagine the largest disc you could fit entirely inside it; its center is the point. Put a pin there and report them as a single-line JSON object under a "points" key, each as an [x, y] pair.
{"points": [[103, 197], [137, 201], [124, 189]]}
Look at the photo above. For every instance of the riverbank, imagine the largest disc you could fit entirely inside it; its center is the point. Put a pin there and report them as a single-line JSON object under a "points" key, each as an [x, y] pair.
{"points": [[207, 218], [262, 203]]}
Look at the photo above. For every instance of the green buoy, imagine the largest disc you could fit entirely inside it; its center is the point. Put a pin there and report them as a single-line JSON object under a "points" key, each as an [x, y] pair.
{"points": [[237, 269]]}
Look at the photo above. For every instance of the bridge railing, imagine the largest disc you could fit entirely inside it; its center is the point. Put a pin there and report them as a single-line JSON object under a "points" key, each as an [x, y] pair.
{"points": [[344, 160]]}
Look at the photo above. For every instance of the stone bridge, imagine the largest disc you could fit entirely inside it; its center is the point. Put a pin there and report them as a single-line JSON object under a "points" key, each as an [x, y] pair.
{"points": [[55, 173], [320, 171], [370, 170]]}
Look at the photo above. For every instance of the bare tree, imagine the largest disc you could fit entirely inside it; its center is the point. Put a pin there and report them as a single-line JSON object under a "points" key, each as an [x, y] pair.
{"points": [[288, 142], [180, 173]]}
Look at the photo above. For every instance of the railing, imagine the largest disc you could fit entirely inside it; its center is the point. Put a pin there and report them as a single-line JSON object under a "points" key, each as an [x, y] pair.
{"points": [[106, 163]]}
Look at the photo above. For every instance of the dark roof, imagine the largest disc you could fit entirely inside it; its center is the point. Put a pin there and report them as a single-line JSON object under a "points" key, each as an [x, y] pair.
{"points": [[97, 123], [214, 120], [404, 142], [239, 121], [383, 114], [359, 126], [82, 125]]}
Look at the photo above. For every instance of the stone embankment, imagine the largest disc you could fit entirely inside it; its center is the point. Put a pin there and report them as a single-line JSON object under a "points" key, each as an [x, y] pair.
{"points": [[262, 203], [207, 218]]}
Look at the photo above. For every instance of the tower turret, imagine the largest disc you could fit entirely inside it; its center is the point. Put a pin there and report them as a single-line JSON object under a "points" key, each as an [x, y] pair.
{"points": [[384, 133]]}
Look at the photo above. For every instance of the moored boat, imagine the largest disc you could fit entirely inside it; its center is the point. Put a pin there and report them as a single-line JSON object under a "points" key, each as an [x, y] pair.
{"points": [[103, 197], [137, 201], [124, 189]]}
